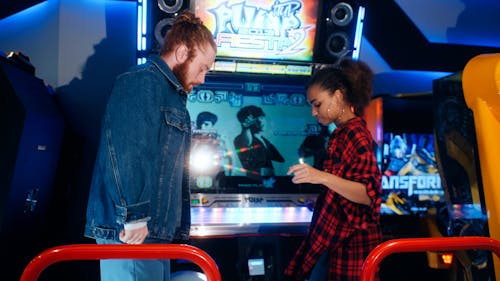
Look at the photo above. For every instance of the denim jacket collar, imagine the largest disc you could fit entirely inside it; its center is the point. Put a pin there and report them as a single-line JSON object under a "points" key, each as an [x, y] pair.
{"points": [[163, 67]]}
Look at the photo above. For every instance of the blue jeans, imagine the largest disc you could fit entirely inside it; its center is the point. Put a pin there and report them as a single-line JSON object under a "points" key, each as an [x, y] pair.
{"points": [[320, 269], [132, 269]]}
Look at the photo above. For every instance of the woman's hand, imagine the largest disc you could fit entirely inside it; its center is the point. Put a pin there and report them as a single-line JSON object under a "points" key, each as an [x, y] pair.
{"points": [[303, 173]]}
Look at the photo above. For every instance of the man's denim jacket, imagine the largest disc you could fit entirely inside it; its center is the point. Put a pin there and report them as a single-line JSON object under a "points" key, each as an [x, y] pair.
{"points": [[141, 169]]}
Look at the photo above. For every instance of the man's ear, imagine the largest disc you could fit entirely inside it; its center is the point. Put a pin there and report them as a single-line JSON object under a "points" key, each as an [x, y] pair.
{"points": [[181, 53]]}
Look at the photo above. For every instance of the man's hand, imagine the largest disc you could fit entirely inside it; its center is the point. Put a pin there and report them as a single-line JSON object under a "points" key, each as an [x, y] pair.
{"points": [[134, 235]]}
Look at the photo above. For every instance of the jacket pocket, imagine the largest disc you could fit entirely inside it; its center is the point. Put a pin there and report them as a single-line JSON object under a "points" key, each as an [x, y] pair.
{"points": [[176, 118]]}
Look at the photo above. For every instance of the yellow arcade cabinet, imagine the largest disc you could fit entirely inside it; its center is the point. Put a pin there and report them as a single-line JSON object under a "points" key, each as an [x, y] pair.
{"points": [[481, 87]]}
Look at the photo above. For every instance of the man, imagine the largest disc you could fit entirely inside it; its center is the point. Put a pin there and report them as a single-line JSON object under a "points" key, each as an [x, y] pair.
{"points": [[255, 152], [139, 191]]}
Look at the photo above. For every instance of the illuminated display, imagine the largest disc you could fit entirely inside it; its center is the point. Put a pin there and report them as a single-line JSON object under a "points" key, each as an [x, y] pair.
{"points": [[262, 68], [279, 116], [261, 29], [410, 182], [250, 215], [231, 221]]}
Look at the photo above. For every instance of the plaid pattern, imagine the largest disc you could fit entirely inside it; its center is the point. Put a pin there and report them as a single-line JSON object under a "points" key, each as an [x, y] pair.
{"points": [[347, 231]]}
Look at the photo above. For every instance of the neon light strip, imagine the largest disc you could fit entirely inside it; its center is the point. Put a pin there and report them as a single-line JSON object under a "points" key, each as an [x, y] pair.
{"points": [[142, 18], [359, 32]]}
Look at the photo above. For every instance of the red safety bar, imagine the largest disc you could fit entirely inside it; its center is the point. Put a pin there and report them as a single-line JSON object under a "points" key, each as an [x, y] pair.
{"points": [[121, 251], [376, 256]]}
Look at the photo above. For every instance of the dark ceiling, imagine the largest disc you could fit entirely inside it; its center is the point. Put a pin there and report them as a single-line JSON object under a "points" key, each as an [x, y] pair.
{"points": [[396, 36], [403, 46], [10, 7]]}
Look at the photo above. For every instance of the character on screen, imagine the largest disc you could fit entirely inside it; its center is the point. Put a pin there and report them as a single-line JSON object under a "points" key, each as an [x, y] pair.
{"points": [[398, 203], [421, 161], [417, 161], [255, 152], [205, 121], [210, 159], [397, 159]]}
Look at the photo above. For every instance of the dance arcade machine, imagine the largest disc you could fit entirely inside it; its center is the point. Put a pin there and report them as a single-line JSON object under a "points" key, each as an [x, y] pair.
{"points": [[466, 128], [251, 122], [242, 198]]}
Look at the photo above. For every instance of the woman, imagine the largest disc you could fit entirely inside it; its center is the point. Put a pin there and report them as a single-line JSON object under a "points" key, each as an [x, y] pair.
{"points": [[345, 225]]}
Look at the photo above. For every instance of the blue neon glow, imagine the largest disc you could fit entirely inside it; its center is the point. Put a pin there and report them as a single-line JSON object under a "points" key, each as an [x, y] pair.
{"points": [[405, 81], [141, 60], [142, 19], [359, 32], [474, 23], [139, 22]]}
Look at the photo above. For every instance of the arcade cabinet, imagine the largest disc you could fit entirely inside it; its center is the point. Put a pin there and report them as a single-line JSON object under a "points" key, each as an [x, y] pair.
{"points": [[241, 196], [412, 194], [466, 127], [481, 88], [258, 213], [32, 130]]}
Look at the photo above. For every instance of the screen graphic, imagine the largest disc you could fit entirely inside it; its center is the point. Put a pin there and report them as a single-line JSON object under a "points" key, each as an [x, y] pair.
{"points": [[410, 182], [244, 141], [261, 29]]}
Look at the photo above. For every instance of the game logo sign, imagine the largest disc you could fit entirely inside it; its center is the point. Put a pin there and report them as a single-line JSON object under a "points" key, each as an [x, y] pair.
{"points": [[411, 183], [281, 30]]}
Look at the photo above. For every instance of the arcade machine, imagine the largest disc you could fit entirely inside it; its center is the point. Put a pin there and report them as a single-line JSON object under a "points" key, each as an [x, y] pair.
{"points": [[246, 212], [32, 128], [412, 194], [481, 88], [467, 128], [410, 180]]}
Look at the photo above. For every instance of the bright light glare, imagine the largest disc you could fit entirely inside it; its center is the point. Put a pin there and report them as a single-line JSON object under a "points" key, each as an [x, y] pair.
{"points": [[203, 159]]}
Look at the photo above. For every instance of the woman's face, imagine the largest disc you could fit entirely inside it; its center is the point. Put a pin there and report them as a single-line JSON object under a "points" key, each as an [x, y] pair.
{"points": [[324, 106]]}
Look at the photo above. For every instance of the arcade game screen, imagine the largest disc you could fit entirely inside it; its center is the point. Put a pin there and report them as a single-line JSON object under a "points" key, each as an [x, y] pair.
{"points": [[245, 143], [410, 178]]}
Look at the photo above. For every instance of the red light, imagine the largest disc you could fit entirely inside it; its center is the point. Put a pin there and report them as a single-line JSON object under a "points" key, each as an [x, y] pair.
{"points": [[447, 258]]}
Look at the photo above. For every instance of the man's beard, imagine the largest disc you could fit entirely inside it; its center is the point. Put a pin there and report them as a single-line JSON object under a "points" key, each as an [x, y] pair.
{"points": [[180, 71]]}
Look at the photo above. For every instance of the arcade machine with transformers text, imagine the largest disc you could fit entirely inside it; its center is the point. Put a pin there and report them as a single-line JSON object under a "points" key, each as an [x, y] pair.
{"points": [[412, 194]]}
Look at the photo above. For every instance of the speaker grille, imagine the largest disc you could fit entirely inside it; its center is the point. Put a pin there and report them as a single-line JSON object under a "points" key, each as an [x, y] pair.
{"points": [[336, 30]]}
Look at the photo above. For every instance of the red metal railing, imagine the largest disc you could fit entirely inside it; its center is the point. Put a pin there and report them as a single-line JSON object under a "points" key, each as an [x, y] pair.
{"points": [[376, 256], [115, 251]]}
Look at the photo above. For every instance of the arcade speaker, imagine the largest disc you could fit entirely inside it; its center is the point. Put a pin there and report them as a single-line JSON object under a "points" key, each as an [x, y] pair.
{"points": [[336, 29], [163, 13]]}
